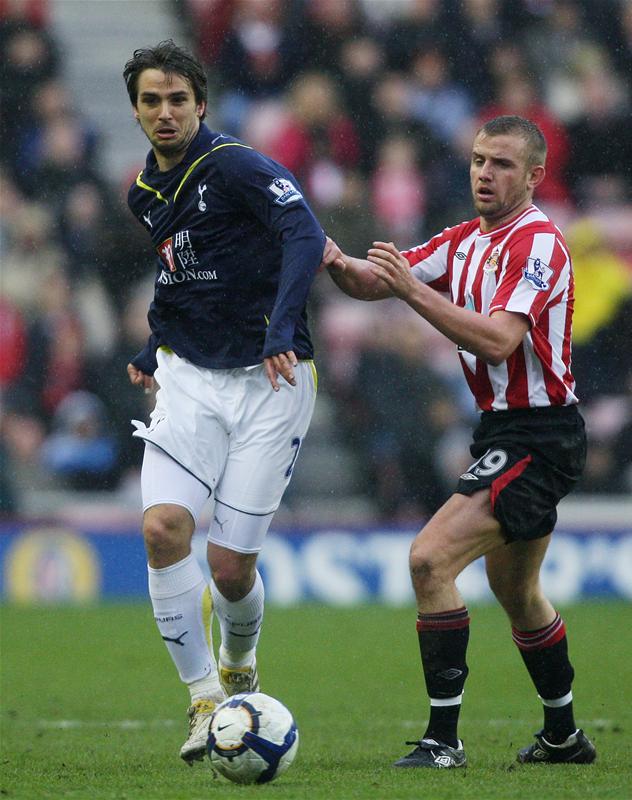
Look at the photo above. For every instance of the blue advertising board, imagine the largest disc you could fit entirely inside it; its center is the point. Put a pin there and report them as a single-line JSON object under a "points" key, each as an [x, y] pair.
{"points": [[52, 562]]}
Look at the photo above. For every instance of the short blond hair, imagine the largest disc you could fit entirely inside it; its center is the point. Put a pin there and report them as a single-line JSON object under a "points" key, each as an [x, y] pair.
{"points": [[519, 126]]}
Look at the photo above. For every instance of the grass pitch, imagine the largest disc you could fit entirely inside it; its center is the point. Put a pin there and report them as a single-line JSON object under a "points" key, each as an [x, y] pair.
{"points": [[92, 707]]}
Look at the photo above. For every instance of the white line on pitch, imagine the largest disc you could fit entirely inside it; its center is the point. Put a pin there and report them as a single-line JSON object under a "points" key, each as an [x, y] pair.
{"points": [[123, 724]]}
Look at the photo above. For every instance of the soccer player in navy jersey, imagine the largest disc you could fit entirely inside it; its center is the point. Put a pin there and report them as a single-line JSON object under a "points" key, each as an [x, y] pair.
{"points": [[237, 248], [508, 279]]}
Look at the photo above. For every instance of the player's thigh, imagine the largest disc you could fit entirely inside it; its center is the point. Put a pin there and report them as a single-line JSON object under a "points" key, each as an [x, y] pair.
{"points": [[461, 531], [265, 444], [165, 483], [192, 415]]}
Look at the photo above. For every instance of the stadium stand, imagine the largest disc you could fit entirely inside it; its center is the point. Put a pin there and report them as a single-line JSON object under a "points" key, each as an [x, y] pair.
{"points": [[373, 105]]}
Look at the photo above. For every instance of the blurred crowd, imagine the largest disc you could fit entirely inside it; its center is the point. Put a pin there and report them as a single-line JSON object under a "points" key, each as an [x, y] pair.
{"points": [[373, 105]]}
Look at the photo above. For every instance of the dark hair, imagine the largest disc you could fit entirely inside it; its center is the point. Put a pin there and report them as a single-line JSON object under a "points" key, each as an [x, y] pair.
{"points": [[529, 131], [169, 58]]}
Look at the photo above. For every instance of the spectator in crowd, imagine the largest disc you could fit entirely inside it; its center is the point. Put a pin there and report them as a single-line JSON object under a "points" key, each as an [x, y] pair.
{"points": [[361, 67], [317, 134], [208, 23], [596, 363], [401, 470], [123, 402], [604, 103], [50, 103], [399, 190], [12, 343], [518, 94], [259, 55], [56, 362], [29, 56], [444, 106], [474, 27], [327, 26], [621, 38], [346, 89], [31, 249], [420, 25], [81, 453]]}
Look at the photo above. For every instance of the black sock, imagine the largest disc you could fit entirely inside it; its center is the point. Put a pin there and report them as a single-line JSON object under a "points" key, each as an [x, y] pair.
{"points": [[443, 639], [545, 654]]}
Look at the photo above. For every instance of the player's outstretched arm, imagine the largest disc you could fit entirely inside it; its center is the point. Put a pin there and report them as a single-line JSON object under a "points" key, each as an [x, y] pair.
{"points": [[353, 275], [492, 338]]}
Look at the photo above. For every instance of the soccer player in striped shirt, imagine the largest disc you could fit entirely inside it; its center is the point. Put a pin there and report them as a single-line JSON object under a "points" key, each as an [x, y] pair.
{"points": [[501, 288]]}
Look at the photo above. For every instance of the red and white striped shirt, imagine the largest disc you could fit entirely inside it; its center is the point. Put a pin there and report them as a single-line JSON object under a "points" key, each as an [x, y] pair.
{"points": [[523, 266]]}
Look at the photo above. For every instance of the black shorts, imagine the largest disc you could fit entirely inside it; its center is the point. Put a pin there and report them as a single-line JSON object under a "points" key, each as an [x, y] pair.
{"points": [[529, 459]]}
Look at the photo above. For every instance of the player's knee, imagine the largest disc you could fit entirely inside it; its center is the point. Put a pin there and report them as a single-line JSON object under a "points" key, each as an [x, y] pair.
{"points": [[425, 571], [166, 530]]}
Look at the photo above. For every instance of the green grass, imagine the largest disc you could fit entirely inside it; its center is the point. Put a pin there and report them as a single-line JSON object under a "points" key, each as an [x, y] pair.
{"points": [[92, 707]]}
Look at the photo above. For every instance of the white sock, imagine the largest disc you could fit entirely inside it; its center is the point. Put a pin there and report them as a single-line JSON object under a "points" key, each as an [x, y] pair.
{"points": [[183, 611], [240, 624]]}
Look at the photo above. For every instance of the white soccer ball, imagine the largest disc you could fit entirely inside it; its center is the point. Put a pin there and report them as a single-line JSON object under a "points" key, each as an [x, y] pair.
{"points": [[252, 738]]}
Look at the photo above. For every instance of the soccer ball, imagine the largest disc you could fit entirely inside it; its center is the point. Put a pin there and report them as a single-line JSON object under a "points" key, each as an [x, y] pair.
{"points": [[252, 738]]}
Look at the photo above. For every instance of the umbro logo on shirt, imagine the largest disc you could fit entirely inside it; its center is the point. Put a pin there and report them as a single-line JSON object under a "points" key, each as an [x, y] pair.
{"points": [[461, 256]]}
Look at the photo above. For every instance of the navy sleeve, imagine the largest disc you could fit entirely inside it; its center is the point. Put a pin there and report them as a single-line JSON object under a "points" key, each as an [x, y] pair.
{"points": [[145, 361], [273, 195]]}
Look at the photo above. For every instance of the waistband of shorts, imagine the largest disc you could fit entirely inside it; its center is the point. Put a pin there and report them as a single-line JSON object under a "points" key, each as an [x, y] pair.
{"points": [[539, 412]]}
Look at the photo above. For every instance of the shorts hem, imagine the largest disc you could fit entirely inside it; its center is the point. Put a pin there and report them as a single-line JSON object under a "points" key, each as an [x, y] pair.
{"points": [[257, 513], [236, 549], [162, 502]]}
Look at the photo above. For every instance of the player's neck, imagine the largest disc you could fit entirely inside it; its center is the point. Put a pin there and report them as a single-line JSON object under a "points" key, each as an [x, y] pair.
{"points": [[167, 162], [491, 224]]}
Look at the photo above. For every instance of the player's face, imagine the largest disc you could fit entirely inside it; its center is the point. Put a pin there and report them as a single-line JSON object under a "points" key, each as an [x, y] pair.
{"points": [[502, 181], [168, 114]]}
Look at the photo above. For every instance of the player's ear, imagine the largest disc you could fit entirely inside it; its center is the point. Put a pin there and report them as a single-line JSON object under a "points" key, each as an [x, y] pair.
{"points": [[200, 109], [136, 114], [536, 175]]}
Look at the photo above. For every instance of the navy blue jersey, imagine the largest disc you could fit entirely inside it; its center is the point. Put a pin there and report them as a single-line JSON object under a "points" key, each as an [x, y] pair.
{"points": [[237, 250]]}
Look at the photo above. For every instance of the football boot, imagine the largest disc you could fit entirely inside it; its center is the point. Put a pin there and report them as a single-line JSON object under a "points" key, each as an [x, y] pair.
{"points": [[433, 754], [199, 714], [577, 749]]}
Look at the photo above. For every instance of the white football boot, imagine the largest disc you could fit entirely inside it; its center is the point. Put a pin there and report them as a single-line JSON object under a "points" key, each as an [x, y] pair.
{"points": [[199, 713]]}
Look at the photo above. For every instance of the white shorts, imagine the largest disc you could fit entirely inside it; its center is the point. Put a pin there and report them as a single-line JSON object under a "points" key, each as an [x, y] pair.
{"points": [[163, 480], [229, 429]]}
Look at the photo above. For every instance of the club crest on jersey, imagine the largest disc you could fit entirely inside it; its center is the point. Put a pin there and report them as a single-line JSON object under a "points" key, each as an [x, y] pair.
{"points": [[537, 273], [201, 190], [491, 265], [165, 251], [177, 246], [284, 192]]}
